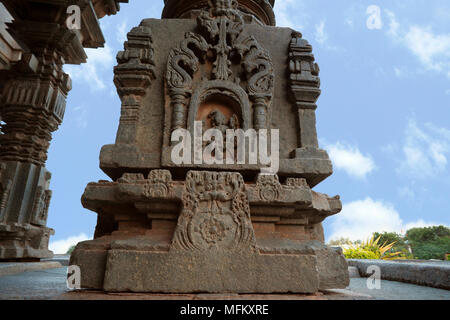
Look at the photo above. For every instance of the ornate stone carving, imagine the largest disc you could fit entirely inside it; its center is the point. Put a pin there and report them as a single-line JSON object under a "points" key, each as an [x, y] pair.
{"points": [[215, 214], [41, 205], [182, 64], [132, 76], [269, 188], [304, 72], [135, 70], [159, 184], [304, 87], [221, 36], [33, 107]]}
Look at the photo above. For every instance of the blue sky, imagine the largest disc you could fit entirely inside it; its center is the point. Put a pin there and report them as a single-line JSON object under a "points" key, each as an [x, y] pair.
{"points": [[384, 114]]}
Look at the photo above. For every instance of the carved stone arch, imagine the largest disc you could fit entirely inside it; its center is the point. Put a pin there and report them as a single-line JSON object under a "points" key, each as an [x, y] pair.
{"points": [[220, 88]]}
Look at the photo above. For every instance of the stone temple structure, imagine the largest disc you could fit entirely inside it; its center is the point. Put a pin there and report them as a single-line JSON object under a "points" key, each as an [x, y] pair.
{"points": [[182, 228], [35, 43]]}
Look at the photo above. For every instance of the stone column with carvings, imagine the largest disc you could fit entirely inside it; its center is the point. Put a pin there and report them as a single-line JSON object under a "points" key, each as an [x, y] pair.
{"points": [[33, 101]]}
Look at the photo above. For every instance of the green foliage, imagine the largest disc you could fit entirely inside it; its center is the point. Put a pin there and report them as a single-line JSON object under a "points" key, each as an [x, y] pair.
{"points": [[432, 249], [399, 242], [70, 250], [372, 249], [424, 243], [430, 242], [448, 257], [427, 234], [359, 253]]}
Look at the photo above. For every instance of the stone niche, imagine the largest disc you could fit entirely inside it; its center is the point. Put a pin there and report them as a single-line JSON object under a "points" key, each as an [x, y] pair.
{"points": [[189, 228]]}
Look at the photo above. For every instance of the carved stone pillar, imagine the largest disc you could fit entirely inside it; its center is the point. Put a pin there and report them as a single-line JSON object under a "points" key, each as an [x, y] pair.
{"points": [[32, 104], [132, 77]]}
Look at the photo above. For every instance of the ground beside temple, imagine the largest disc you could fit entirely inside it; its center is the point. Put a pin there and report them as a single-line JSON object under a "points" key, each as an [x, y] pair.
{"points": [[50, 284]]}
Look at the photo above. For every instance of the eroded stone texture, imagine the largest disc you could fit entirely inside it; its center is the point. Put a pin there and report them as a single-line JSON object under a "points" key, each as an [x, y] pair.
{"points": [[166, 227]]}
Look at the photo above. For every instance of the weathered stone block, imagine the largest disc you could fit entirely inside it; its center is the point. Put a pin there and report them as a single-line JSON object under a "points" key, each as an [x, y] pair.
{"points": [[211, 272]]}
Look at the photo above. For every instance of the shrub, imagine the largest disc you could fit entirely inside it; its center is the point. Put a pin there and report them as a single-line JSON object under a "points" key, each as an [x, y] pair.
{"points": [[371, 249], [359, 253]]}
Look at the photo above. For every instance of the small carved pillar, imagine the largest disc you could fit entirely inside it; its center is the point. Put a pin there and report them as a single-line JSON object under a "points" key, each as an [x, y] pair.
{"points": [[133, 76], [260, 112], [179, 98], [305, 88]]}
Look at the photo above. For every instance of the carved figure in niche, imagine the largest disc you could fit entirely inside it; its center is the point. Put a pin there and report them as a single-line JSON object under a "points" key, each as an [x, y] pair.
{"points": [[220, 122]]}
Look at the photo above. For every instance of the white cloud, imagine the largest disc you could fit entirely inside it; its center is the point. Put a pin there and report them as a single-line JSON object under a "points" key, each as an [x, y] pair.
{"points": [[122, 32], [62, 246], [98, 61], [359, 219], [425, 151], [320, 34], [351, 160], [432, 50], [394, 25], [283, 12]]}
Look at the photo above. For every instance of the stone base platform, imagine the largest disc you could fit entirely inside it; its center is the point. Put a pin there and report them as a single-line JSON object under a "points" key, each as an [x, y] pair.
{"points": [[324, 295]]}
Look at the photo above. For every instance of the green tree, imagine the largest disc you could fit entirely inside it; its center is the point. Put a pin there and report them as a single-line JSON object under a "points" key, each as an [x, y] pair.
{"points": [[429, 242], [427, 234]]}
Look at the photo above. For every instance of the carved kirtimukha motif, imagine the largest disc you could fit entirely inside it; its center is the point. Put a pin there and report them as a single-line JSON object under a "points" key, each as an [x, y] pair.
{"points": [[215, 214]]}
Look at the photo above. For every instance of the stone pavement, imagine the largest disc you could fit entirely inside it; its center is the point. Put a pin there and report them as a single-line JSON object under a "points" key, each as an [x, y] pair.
{"points": [[50, 284], [8, 268]]}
